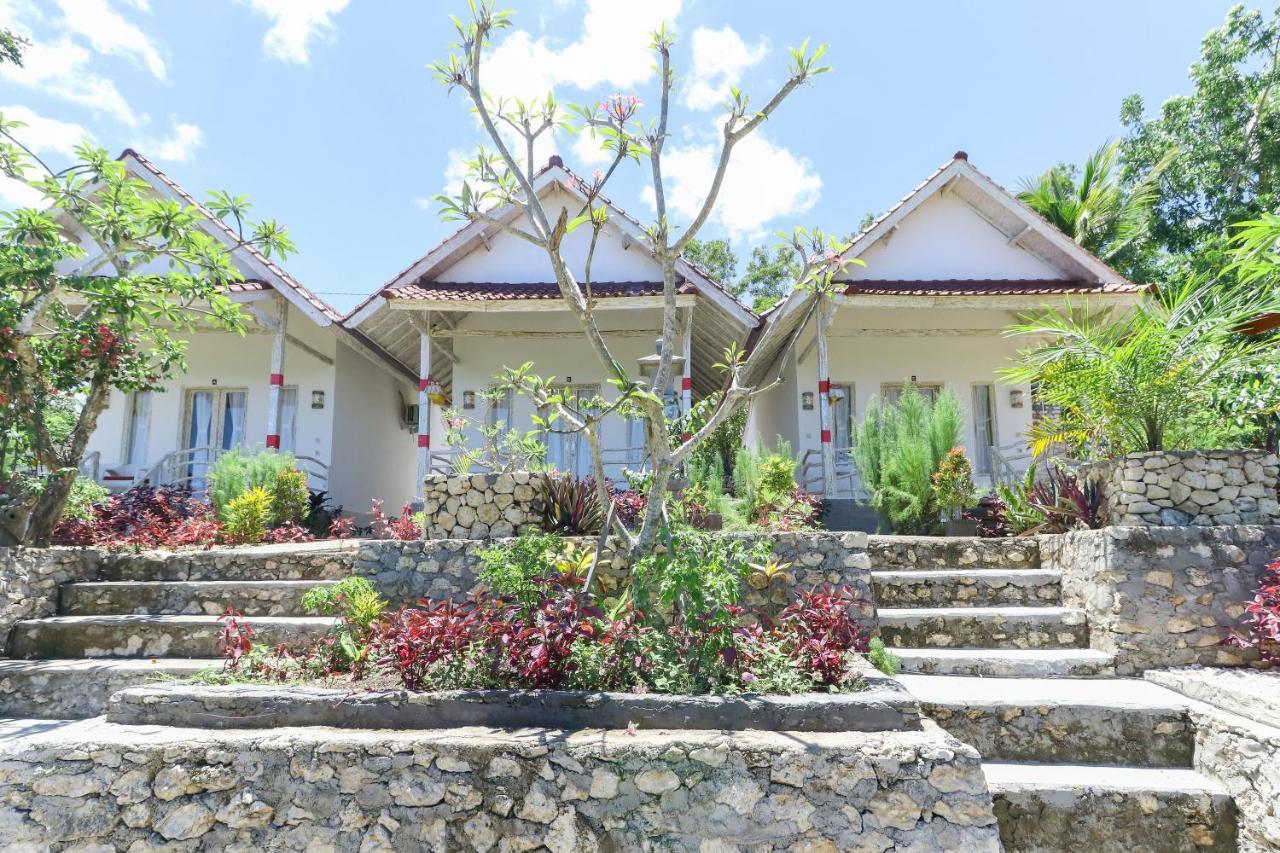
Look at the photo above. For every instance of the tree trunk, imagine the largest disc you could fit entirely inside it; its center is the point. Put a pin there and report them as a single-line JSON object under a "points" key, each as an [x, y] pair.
{"points": [[47, 511]]}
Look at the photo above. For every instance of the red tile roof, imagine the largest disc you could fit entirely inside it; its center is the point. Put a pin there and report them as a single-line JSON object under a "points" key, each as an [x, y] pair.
{"points": [[985, 287], [311, 299], [479, 291], [247, 286]]}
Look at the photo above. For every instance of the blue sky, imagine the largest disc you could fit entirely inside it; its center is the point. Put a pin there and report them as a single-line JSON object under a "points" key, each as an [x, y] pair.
{"points": [[323, 111]]}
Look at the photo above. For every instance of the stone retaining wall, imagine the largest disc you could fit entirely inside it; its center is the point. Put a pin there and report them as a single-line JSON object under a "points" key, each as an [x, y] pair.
{"points": [[324, 560], [1162, 596], [1200, 488], [481, 506], [910, 553], [447, 568], [29, 581], [99, 786]]}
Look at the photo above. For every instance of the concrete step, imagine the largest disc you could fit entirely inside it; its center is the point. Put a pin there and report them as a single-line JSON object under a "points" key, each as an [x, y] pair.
{"points": [[1062, 720], [148, 636], [324, 560], [967, 587], [252, 598], [75, 689], [983, 627], [1073, 807], [919, 553], [1008, 663]]}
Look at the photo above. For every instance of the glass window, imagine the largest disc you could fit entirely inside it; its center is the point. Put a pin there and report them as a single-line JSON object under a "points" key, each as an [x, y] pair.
{"points": [[842, 415], [892, 391], [984, 427], [288, 418], [499, 411], [135, 450]]}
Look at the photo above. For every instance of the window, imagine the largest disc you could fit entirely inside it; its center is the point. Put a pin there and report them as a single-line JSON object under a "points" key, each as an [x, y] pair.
{"points": [[984, 427], [842, 413], [213, 419], [137, 427], [892, 391], [637, 448], [288, 418], [499, 410], [570, 453]]}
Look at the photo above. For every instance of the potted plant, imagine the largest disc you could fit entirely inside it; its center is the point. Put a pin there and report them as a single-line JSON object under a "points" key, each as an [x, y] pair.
{"points": [[953, 489]]}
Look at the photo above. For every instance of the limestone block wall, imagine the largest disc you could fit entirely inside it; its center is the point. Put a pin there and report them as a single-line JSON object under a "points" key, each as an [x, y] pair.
{"points": [[1162, 596], [481, 506], [447, 568], [1199, 488], [326, 559], [29, 581], [122, 787]]}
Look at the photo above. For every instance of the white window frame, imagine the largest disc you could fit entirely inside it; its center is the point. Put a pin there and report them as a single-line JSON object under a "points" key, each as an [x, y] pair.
{"points": [[886, 387], [579, 444], [994, 410], [132, 412], [219, 409], [289, 437]]}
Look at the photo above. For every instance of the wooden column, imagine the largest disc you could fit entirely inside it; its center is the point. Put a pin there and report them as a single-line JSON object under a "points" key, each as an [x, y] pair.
{"points": [[686, 380], [275, 387], [825, 312], [424, 401]]}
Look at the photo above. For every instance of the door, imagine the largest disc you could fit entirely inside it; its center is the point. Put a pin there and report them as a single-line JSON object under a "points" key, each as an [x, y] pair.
{"points": [[892, 391], [842, 415], [215, 421], [570, 453], [984, 428]]}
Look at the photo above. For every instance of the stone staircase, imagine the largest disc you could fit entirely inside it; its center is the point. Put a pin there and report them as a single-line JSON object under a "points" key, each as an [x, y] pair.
{"points": [[151, 620], [1075, 758]]}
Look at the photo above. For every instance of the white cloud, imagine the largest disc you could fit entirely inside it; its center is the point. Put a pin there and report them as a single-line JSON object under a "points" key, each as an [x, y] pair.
{"points": [[43, 136], [109, 33], [61, 69], [765, 182], [179, 147], [588, 150], [719, 58], [294, 24]]}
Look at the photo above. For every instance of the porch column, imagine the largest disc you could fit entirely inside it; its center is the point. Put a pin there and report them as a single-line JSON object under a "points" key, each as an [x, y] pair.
{"points": [[686, 381], [424, 401], [825, 311], [275, 387]]}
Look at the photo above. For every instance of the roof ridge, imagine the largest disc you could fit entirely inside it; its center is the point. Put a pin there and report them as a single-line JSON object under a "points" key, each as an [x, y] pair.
{"points": [[307, 295]]}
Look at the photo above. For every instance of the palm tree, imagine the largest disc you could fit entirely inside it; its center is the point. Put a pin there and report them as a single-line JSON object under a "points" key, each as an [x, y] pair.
{"points": [[1096, 211]]}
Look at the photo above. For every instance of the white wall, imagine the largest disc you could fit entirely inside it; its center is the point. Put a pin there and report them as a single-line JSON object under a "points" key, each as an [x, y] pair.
{"points": [[228, 361], [568, 359], [511, 259], [944, 238], [956, 362], [374, 457]]}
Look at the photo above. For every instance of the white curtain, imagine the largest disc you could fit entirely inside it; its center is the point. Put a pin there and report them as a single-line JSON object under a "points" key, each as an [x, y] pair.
{"points": [[288, 418], [233, 420], [139, 420], [200, 434]]}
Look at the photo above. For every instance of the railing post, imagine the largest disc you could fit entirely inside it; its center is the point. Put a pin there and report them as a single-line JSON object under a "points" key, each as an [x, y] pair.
{"points": [[825, 311], [275, 387]]}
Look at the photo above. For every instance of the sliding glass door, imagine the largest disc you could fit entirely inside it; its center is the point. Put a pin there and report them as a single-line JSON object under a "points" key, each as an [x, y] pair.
{"points": [[215, 420]]}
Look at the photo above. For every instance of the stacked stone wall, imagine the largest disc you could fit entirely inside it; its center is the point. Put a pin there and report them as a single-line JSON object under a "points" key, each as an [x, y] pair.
{"points": [[1162, 596], [1200, 488], [481, 506], [117, 787], [29, 581], [448, 568]]}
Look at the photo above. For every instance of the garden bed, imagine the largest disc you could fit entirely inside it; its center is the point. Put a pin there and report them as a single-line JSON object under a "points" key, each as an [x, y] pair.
{"points": [[884, 705]]}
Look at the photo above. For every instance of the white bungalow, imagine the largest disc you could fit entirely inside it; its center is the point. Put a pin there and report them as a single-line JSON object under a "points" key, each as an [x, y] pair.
{"points": [[277, 386], [948, 268], [484, 300]]}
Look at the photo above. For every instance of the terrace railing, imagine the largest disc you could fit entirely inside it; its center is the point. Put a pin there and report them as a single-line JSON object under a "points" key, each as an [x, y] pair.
{"points": [[189, 467]]}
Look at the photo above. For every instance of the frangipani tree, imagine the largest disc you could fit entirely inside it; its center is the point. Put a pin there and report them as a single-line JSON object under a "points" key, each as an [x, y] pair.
{"points": [[504, 175], [77, 321]]}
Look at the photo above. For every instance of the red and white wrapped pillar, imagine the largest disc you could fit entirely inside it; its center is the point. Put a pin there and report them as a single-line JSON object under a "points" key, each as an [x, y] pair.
{"points": [[825, 311], [425, 384], [275, 380], [686, 380]]}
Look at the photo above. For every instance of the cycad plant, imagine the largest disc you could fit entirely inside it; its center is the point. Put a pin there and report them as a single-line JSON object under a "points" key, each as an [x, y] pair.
{"points": [[1150, 378], [898, 447]]}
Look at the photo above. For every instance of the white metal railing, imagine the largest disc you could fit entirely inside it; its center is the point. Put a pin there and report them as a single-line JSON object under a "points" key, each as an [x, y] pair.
{"points": [[847, 483], [616, 458], [188, 468]]}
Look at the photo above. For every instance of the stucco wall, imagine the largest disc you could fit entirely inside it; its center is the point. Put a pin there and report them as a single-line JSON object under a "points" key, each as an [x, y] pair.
{"points": [[234, 362]]}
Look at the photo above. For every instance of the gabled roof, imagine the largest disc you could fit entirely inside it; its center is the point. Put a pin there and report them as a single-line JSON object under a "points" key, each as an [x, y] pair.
{"points": [[484, 291], [271, 274], [1002, 210], [981, 287], [554, 175]]}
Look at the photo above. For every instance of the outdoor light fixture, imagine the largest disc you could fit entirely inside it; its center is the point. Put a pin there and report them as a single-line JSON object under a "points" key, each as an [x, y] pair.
{"points": [[806, 400], [468, 400], [1015, 398], [649, 370], [317, 399]]}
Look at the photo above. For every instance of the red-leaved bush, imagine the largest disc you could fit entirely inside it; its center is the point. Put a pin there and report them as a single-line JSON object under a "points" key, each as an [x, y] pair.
{"points": [[1262, 625], [401, 527], [825, 624], [144, 517], [629, 507]]}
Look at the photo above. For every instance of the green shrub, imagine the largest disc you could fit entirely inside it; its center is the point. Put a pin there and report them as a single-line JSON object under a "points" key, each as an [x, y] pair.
{"points": [[290, 500], [236, 472], [352, 598], [246, 517], [510, 570], [883, 659], [897, 449], [953, 482], [84, 494]]}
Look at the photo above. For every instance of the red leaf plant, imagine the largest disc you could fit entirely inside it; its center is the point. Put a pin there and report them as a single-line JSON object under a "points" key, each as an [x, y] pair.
{"points": [[1262, 622]]}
